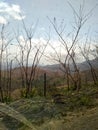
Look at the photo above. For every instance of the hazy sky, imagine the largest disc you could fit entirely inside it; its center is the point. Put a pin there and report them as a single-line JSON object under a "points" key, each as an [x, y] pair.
{"points": [[34, 11], [38, 10]]}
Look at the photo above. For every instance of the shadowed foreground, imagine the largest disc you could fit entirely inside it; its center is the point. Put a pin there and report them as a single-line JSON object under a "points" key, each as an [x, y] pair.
{"points": [[49, 116]]}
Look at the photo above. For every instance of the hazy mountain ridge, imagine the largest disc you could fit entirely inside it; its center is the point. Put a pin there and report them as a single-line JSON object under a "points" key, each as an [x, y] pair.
{"points": [[82, 66]]}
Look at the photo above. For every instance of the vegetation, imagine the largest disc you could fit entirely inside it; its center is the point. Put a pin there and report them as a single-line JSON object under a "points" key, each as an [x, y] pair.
{"points": [[38, 99]]}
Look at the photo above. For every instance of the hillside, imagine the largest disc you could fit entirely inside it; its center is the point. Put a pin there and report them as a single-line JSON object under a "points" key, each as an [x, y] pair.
{"points": [[82, 66], [79, 111], [60, 110], [49, 118]]}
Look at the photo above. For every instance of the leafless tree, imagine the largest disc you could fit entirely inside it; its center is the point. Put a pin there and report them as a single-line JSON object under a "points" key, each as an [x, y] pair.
{"points": [[86, 53], [5, 40], [30, 56], [80, 20]]}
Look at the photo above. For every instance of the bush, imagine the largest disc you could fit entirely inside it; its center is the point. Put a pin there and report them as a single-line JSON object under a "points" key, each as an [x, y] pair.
{"points": [[34, 92], [85, 101], [7, 99]]}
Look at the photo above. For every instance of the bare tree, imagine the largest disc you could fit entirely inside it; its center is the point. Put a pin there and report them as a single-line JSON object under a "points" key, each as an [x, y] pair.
{"points": [[80, 20], [5, 40], [86, 52], [8, 77], [30, 56], [94, 52]]}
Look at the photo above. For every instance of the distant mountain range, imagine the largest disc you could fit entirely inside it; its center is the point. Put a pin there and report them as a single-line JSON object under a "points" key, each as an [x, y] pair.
{"points": [[55, 68], [82, 66]]}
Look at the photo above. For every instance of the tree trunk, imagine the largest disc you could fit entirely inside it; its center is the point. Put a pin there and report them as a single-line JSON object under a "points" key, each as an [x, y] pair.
{"points": [[44, 84]]}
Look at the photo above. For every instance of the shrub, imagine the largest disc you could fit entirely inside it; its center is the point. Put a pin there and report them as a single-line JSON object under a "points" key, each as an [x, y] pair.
{"points": [[34, 92], [85, 101], [7, 99]]}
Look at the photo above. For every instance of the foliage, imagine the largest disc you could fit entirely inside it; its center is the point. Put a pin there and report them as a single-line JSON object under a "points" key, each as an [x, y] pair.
{"points": [[85, 100], [7, 99], [33, 92], [15, 114]]}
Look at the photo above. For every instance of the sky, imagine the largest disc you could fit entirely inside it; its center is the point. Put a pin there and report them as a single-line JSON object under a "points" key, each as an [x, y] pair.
{"points": [[36, 12]]}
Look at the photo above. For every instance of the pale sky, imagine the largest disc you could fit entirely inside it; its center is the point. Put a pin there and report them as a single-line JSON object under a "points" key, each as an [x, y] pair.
{"points": [[38, 10]]}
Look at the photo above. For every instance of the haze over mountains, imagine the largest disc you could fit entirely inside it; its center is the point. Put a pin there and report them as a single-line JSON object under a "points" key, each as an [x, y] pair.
{"points": [[56, 67], [82, 66]]}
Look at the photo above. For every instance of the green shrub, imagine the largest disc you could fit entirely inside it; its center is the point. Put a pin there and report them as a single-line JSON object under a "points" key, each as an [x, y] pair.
{"points": [[23, 92], [34, 92], [7, 99], [85, 101]]}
